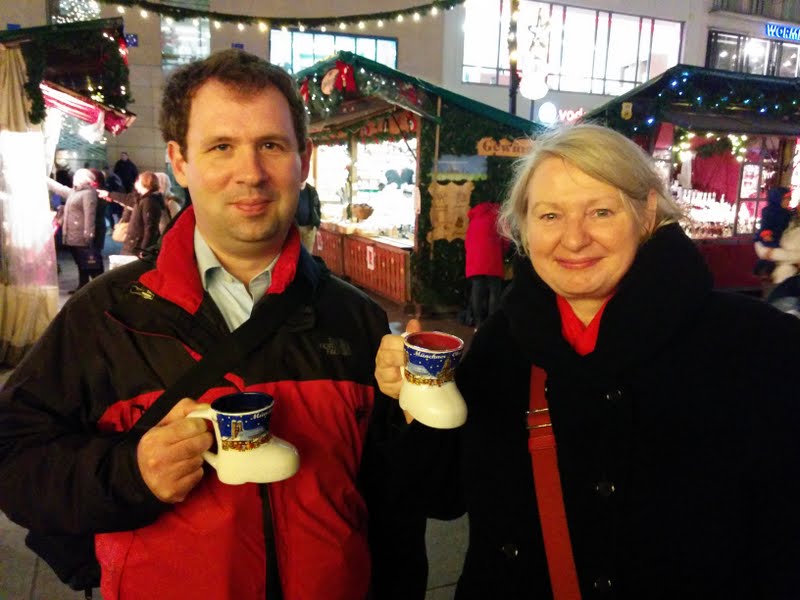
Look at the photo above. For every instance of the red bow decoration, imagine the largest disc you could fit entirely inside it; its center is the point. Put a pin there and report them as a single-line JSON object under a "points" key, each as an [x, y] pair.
{"points": [[123, 49], [345, 79], [304, 90]]}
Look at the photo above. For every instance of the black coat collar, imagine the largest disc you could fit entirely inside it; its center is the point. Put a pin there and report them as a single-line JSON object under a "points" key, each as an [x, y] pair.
{"points": [[664, 287]]}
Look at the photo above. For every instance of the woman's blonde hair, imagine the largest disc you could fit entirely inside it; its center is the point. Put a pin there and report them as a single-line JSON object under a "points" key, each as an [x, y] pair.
{"points": [[601, 153], [163, 183]]}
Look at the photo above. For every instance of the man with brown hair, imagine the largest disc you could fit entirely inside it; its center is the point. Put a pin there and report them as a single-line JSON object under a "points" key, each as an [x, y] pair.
{"points": [[166, 526]]}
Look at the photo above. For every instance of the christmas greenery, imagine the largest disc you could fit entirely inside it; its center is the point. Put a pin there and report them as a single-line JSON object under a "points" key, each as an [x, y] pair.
{"points": [[85, 58], [438, 277], [693, 92], [181, 12]]}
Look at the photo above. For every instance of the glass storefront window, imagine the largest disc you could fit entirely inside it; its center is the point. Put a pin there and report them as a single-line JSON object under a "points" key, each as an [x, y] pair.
{"points": [[664, 52], [734, 52], [587, 50], [579, 28], [297, 50], [480, 59], [183, 41], [787, 66], [623, 61], [724, 52], [755, 56]]}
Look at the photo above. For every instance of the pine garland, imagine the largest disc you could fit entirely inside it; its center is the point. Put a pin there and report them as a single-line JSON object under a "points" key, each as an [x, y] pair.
{"points": [[77, 47], [180, 12]]}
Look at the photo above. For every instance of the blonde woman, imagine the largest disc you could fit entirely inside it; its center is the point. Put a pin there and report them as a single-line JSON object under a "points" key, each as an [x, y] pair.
{"points": [[677, 456]]}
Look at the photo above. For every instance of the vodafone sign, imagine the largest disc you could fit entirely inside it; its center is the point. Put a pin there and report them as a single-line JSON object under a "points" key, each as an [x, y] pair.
{"points": [[549, 113]]}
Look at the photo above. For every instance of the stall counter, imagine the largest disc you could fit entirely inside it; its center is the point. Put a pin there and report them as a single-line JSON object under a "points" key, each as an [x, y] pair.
{"points": [[379, 264]]}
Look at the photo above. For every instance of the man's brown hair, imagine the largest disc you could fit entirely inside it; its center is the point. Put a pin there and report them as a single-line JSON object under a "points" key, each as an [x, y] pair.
{"points": [[239, 70]]}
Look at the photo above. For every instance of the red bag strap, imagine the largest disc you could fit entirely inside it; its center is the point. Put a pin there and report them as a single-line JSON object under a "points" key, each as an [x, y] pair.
{"points": [[549, 497]]}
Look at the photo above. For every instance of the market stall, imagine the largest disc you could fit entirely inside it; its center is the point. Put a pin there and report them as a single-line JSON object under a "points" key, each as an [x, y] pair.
{"points": [[721, 140], [397, 163], [46, 73]]}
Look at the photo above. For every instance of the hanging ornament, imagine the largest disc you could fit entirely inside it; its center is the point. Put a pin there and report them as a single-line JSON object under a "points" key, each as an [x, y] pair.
{"points": [[328, 83], [533, 63], [345, 79], [626, 111], [304, 91]]}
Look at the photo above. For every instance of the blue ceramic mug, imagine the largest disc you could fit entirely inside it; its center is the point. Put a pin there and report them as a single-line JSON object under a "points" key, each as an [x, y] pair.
{"points": [[429, 391], [246, 450]]}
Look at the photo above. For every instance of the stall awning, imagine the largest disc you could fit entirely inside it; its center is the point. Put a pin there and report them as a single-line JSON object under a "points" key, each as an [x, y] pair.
{"points": [[330, 86], [88, 59], [706, 99], [114, 121]]}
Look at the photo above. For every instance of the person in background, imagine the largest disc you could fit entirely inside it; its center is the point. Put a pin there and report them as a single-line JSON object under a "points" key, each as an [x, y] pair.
{"points": [[308, 215], [775, 218], [78, 220], [143, 209], [171, 204], [672, 456], [126, 171], [100, 230], [237, 135], [485, 249], [112, 184]]}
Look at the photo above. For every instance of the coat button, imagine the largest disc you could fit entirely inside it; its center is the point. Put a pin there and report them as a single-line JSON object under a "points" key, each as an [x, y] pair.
{"points": [[510, 551], [604, 488], [602, 584], [614, 396]]}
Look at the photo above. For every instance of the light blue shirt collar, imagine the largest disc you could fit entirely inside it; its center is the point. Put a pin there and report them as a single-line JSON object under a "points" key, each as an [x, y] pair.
{"points": [[234, 299]]}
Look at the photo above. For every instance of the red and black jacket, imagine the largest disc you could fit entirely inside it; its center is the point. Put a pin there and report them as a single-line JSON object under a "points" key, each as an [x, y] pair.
{"points": [[65, 465]]}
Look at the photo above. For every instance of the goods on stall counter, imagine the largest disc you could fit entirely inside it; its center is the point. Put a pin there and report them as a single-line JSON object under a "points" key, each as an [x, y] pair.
{"points": [[361, 212], [707, 216]]}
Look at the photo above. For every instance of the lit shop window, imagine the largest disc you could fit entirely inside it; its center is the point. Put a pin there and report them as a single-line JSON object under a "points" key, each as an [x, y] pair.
{"points": [[297, 50], [733, 52], [577, 49], [70, 11], [184, 40]]}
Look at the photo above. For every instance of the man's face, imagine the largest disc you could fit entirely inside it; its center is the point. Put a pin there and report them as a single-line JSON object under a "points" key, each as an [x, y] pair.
{"points": [[123, 156], [242, 167]]}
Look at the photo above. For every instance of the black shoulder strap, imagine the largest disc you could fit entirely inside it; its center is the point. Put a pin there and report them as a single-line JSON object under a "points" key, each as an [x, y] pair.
{"points": [[263, 323]]}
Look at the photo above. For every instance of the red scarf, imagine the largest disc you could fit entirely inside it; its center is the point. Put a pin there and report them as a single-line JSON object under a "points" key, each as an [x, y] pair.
{"points": [[582, 338]]}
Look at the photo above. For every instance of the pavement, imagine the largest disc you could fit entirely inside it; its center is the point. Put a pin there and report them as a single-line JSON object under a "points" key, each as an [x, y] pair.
{"points": [[24, 576]]}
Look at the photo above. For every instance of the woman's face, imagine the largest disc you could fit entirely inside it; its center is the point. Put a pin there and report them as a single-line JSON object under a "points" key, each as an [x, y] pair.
{"points": [[581, 236]]}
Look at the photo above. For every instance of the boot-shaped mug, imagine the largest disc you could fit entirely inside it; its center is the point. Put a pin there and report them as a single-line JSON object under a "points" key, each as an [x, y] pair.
{"points": [[246, 450], [428, 391]]}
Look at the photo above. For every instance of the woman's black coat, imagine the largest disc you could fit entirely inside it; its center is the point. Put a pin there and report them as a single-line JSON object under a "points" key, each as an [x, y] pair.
{"points": [[678, 441]]}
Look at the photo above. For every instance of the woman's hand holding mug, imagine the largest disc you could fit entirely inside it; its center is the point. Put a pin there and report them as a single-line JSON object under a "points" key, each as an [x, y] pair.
{"points": [[418, 368]]}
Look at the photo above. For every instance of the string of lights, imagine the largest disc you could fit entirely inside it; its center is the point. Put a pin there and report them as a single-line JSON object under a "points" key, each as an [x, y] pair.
{"points": [[413, 13]]}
